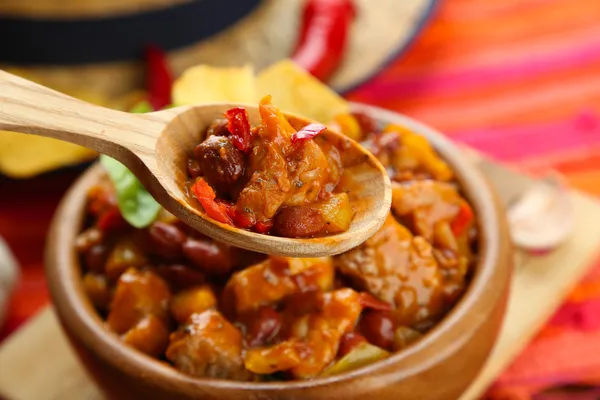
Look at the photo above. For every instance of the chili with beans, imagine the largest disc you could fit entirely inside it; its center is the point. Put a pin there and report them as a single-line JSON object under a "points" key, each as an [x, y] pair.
{"points": [[211, 310], [269, 178]]}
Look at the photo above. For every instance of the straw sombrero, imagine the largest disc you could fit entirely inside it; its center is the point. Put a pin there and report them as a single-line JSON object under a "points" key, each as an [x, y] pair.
{"points": [[92, 49], [96, 43]]}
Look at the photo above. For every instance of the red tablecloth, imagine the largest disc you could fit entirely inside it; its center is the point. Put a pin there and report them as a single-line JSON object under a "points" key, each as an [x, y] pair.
{"points": [[518, 79]]}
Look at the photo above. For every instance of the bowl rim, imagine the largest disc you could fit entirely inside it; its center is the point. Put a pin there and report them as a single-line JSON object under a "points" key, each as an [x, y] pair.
{"points": [[75, 310]]}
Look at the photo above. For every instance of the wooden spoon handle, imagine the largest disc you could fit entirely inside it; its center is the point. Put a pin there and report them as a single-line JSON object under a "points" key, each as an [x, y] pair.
{"points": [[31, 108]]}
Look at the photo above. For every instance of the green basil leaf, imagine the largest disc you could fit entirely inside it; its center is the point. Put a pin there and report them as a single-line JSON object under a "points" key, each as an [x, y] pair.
{"points": [[137, 206]]}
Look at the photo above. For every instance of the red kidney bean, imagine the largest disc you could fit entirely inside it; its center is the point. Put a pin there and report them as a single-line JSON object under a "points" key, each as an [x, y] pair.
{"points": [[180, 276], [208, 257], [378, 328], [95, 258], [297, 222], [167, 239], [349, 342], [263, 326]]}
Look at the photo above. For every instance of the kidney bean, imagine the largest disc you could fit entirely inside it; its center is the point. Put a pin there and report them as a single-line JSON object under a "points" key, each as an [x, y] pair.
{"points": [[378, 328], [167, 239], [263, 326], [210, 258], [297, 222], [95, 258], [349, 342], [180, 276]]}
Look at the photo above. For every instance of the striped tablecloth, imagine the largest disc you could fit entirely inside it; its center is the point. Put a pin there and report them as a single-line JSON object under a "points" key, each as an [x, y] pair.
{"points": [[517, 79]]}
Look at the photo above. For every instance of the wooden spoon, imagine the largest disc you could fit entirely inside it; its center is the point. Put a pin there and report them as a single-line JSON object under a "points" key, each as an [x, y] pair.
{"points": [[156, 146]]}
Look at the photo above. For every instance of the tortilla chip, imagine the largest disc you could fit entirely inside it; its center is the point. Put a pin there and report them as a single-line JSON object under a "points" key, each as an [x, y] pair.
{"points": [[296, 91], [24, 156], [206, 84]]}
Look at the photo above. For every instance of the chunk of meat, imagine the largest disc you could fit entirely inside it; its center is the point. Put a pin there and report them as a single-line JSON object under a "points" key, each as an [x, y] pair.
{"points": [[280, 173], [269, 183], [221, 163], [314, 345], [309, 172], [399, 269], [274, 279], [208, 346], [138, 295], [192, 301], [338, 315], [280, 357], [428, 204]]}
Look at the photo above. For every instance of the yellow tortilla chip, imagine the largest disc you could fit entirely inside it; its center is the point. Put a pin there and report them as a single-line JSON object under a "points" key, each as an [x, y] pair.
{"points": [[206, 84], [24, 156], [297, 91]]}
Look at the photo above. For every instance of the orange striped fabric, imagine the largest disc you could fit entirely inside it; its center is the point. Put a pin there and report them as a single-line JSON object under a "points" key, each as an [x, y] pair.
{"points": [[519, 80]]}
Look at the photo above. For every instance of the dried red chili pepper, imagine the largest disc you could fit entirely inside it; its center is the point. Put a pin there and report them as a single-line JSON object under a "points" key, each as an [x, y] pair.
{"points": [[238, 125], [308, 132], [159, 78], [323, 36], [462, 219], [206, 196], [367, 300]]}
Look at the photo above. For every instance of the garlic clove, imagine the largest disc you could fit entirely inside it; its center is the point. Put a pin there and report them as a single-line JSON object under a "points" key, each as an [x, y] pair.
{"points": [[543, 217]]}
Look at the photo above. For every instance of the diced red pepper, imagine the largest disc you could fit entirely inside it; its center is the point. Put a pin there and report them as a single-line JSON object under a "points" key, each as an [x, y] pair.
{"points": [[263, 227], [238, 125], [159, 78], [462, 219], [367, 300], [206, 196], [241, 219], [308, 132], [244, 220], [323, 36], [111, 220]]}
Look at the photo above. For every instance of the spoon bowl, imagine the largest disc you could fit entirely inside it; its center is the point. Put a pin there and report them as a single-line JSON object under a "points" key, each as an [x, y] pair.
{"points": [[156, 147]]}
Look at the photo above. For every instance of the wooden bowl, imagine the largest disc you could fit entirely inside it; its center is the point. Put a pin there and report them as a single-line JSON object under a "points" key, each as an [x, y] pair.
{"points": [[439, 366]]}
